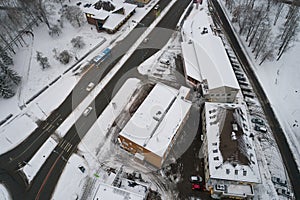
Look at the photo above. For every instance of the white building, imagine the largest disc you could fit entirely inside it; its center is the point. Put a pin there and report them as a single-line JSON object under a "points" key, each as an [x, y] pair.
{"points": [[205, 59], [113, 186], [231, 167], [152, 130]]}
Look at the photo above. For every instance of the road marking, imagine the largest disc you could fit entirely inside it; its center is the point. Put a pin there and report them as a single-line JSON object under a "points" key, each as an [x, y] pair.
{"points": [[45, 180]]}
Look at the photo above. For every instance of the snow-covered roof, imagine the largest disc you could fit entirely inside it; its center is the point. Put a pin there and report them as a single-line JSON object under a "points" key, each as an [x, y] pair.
{"points": [[115, 19], [105, 191], [231, 151], [190, 61], [157, 119], [169, 126], [210, 59], [112, 19]]}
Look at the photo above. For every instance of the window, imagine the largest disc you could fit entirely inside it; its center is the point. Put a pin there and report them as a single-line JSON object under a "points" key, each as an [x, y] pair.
{"points": [[212, 95], [236, 172], [229, 94], [215, 151], [244, 173], [223, 95], [227, 171], [217, 95]]}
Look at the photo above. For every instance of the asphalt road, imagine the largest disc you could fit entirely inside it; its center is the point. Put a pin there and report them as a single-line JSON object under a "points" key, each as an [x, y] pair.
{"points": [[44, 183], [285, 151]]}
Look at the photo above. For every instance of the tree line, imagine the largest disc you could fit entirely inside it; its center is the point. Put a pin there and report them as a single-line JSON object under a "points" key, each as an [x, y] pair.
{"points": [[258, 21]]}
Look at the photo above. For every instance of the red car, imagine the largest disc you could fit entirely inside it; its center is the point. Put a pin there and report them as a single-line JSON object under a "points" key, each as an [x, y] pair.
{"points": [[196, 186]]}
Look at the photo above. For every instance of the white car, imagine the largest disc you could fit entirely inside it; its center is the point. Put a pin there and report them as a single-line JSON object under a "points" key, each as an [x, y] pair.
{"points": [[87, 111], [90, 86]]}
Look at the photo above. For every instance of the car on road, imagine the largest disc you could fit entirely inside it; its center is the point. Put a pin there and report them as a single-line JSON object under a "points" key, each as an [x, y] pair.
{"points": [[87, 111], [90, 86], [258, 121], [284, 192], [260, 128], [195, 179]]}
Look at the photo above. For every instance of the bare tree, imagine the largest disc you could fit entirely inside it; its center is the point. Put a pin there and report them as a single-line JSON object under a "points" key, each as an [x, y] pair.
{"points": [[74, 15], [43, 60], [77, 42], [278, 11], [289, 30], [54, 30]]}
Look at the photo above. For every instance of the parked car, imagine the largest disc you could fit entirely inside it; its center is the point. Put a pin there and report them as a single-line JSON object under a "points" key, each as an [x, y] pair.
{"points": [[258, 121], [164, 61], [278, 181], [196, 179], [284, 192], [260, 128], [87, 111], [196, 186]]}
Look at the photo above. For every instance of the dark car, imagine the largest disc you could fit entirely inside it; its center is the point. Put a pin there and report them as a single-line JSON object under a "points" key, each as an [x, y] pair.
{"points": [[284, 192], [258, 121], [278, 181], [260, 128]]}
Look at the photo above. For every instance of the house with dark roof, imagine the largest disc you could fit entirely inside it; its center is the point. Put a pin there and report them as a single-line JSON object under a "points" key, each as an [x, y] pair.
{"points": [[231, 167]]}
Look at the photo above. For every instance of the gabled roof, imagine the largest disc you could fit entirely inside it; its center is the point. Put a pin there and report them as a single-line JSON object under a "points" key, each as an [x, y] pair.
{"points": [[231, 151]]}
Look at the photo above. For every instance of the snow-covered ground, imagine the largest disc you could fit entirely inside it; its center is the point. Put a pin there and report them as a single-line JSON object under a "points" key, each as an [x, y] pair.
{"points": [[34, 78], [280, 81], [42, 106]]}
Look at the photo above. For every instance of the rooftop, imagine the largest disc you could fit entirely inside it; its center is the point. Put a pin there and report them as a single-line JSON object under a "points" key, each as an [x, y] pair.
{"points": [[231, 150], [113, 17], [204, 53], [158, 118]]}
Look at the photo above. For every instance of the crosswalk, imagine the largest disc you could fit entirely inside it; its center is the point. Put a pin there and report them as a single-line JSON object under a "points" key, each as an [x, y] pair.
{"points": [[65, 145]]}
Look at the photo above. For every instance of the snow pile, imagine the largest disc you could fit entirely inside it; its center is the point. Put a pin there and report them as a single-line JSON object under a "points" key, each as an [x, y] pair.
{"points": [[35, 163], [10, 135]]}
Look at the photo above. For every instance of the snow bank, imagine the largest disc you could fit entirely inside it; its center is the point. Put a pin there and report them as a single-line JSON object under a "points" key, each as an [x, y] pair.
{"points": [[35, 163], [4, 194], [14, 133], [72, 180]]}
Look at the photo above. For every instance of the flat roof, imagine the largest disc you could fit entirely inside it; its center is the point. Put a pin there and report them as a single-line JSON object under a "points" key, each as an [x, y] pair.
{"points": [[158, 118], [209, 51], [105, 191], [145, 120], [231, 151], [169, 126]]}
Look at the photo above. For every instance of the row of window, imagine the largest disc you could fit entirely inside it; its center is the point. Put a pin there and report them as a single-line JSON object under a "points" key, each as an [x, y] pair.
{"points": [[218, 95]]}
